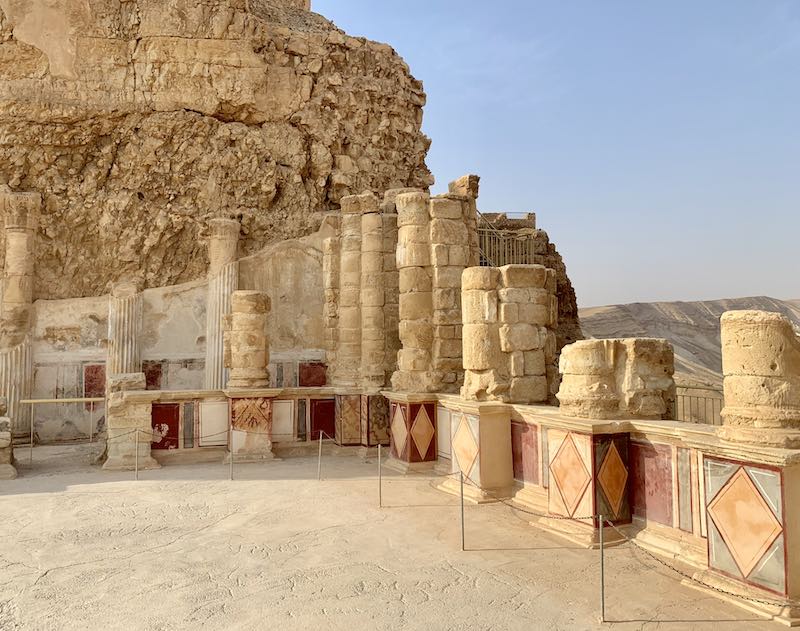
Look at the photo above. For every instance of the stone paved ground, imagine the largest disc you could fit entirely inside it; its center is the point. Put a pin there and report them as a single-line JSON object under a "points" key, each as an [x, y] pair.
{"points": [[184, 548]]}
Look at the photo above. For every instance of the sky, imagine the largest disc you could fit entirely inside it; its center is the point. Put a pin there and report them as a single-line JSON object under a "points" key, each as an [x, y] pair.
{"points": [[658, 142]]}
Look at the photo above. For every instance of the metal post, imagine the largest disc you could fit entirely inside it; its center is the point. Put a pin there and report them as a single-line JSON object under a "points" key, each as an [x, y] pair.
{"points": [[602, 574], [461, 473], [319, 458], [91, 421], [33, 414], [380, 497], [136, 465], [230, 450]]}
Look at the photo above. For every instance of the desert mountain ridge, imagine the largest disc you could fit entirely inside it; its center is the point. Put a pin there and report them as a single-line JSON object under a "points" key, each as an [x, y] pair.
{"points": [[691, 327]]}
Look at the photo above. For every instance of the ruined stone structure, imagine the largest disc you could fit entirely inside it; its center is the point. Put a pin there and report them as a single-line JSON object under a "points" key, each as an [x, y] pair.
{"points": [[246, 340], [509, 316], [129, 425], [437, 240], [236, 244], [513, 241], [145, 119], [626, 378], [761, 367]]}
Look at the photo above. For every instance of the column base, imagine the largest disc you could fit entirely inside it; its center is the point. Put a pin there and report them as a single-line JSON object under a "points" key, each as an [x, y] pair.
{"points": [[769, 437], [785, 614], [582, 534], [409, 467], [128, 463], [7, 472], [249, 456], [472, 494]]}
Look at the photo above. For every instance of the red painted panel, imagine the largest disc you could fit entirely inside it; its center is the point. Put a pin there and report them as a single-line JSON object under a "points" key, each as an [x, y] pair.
{"points": [[94, 381], [651, 482], [166, 425], [525, 452], [313, 375], [323, 418]]}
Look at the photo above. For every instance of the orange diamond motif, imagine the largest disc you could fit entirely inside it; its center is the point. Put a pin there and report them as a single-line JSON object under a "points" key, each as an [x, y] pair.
{"points": [[570, 474], [745, 521], [612, 478], [465, 447], [422, 431], [399, 431]]}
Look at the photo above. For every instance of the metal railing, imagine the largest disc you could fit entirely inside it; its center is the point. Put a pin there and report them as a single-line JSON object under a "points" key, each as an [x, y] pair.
{"points": [[83, 400], [505, 247], [699, 405]]}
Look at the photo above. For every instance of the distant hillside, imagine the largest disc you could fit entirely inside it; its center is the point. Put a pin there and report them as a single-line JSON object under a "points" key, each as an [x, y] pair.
{"points": [[692, 327]]}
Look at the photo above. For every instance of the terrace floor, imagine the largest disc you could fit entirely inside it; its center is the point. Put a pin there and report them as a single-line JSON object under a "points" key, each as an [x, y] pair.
{"points": [[185, 548]]}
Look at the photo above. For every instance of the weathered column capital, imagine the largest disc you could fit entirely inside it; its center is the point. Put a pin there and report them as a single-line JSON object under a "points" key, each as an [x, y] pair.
{"points": [[223, 242], [21, 210]]}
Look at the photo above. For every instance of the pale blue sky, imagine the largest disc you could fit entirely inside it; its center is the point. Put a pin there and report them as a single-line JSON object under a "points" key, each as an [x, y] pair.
{"points": [[658, 142]]}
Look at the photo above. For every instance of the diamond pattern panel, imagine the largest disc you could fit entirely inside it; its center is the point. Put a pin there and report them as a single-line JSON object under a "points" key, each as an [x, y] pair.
{"points": [[465, 447], [613, 477], [570, 474], [744, 520], [422, 431], [251, 415], [399, 431]]}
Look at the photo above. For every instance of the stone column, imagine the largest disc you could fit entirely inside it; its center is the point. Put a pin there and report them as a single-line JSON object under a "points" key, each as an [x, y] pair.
{"points": [[508, 324], [761, 368], [223, 280], [618, 379], [21, 211], [7, 470], [437, 240], [330, 273], [246, 342], [373, 299], [130, 423], [416, 295], [348, 355], [124, 329]]}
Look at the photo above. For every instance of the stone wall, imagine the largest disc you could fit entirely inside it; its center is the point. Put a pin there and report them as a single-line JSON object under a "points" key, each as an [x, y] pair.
{"points": [[144, 120], [761, 368], [618, 379], [509, 345]]}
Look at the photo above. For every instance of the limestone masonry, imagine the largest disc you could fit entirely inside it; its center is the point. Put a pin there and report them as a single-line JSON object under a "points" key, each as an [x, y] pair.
{"points": [[220, 243]]}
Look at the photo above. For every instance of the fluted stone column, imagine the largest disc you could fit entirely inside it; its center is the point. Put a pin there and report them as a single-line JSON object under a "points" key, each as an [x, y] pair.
{"points": [[373, 299], [246, 341], [348, 356], [21, 211], [330, 315], [223, 280], [124, 330]]}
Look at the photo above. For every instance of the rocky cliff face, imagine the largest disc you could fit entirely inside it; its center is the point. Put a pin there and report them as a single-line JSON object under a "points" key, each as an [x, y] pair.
{"points": [[140, 120]]}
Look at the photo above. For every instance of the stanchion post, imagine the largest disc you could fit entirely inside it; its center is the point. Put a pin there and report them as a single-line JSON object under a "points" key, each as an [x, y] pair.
{"points": [[91, 421], [319, 457], [380, 496], [136, 461], [230, 450], [33, 414], [461, 473], [602, 573]]}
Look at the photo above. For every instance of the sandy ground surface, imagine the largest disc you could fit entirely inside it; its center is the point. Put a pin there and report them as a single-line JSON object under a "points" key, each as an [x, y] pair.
{"points": [[185, 548]]}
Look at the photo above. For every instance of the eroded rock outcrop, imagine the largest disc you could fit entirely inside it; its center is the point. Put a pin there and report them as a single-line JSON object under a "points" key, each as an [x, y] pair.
{"points": [[140, 121]]}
